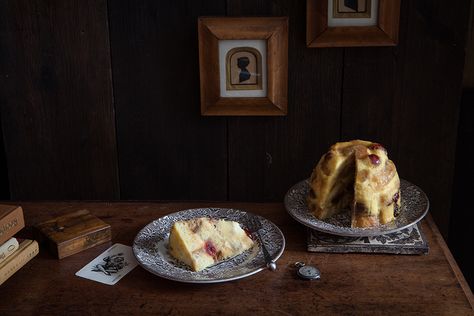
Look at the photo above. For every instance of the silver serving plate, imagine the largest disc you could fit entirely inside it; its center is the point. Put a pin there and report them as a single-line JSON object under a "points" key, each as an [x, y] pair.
{"points": [[414, 206], [150, 247]]}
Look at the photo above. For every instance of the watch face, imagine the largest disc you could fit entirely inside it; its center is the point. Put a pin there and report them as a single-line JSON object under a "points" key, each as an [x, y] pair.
{"points": [[309, 272]]}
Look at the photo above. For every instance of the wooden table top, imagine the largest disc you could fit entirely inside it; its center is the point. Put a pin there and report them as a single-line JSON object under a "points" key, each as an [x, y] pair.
{"points": [[351, 283]]}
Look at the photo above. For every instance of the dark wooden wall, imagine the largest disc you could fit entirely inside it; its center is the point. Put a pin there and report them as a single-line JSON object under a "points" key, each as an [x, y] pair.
{"points": [[461, 234], [100, 100], [56, 100]]}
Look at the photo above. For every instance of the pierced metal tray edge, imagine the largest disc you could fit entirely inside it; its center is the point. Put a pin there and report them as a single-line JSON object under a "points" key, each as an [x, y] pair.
{"points": [[356, 232]]}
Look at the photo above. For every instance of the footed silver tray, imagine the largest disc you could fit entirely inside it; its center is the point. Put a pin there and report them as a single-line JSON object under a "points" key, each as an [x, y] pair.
{"points": [[150, 247], [414, 206]]}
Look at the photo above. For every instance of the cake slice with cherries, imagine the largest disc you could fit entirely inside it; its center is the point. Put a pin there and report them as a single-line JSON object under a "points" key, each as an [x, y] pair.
{"points": [[203, 242]]}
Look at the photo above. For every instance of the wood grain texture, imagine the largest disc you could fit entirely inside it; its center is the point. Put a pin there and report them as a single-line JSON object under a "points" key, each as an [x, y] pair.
{"points": [[56, 100], [316, 20], [461, 234], [268, 155], [468, 76], [369, 95], [244, 107], [4, 182], [389, 18], [385, 33], [428, 110], [351, 284], [360, 36], [166, 149], [208, 67], [447, 253], [11, 221], [71, 233], [277, 61], [26, 251]]}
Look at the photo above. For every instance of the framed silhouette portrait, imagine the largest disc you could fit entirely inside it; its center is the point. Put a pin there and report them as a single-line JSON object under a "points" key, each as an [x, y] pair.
{"points": [[349, 23], [243, 69], [243, 65]]}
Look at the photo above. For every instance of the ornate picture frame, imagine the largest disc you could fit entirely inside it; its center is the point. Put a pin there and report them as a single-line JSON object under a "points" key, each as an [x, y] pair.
{"points": [[243, 65], [382, 30]]}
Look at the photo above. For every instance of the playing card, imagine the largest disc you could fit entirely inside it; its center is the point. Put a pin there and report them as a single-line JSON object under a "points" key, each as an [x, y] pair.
{"points": [[112, 265]]}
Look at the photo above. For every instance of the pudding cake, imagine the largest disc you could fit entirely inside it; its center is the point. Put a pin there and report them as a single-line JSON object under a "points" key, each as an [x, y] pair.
{"points": [[356, 175], [203, 242]]}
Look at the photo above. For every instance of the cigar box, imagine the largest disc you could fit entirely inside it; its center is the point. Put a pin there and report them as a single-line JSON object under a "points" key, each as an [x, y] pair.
{"points": [[72, 233]]}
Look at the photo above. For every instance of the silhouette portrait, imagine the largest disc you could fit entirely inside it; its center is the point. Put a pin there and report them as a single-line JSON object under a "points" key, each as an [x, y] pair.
{"points": [[244, 69], [352, 8], [244, 74]]}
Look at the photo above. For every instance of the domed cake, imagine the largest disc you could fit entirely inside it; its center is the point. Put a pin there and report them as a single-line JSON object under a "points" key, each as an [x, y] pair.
{"points": [[356, 175]]}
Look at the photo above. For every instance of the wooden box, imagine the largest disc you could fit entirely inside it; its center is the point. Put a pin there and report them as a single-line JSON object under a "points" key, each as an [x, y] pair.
{"points": [[72, 233], [11, 221]]}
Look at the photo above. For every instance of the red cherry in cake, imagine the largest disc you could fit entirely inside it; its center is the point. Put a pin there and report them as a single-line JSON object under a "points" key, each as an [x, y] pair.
{"points": [[210, 248], [248, 233], [374, 159], [395, 198]]}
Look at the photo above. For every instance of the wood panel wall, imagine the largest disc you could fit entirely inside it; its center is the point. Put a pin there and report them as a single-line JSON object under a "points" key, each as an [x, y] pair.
{"points": [[468, 78], [100, 100], [56, 100], [461, 235]]}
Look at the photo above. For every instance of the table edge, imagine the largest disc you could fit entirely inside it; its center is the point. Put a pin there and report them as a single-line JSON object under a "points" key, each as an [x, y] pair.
{"points": [[452, 262]]}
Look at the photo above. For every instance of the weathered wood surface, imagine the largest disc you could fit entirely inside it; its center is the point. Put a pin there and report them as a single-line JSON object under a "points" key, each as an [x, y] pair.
{"points": [[351, 284]]}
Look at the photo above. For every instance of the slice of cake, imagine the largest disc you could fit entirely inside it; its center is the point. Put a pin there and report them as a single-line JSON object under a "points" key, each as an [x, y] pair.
{"points": [[333, 180], [376, 188], [203, 242]]}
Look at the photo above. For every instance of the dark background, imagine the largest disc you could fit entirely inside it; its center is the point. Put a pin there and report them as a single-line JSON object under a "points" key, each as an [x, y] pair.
{"points": [[100, 100]]}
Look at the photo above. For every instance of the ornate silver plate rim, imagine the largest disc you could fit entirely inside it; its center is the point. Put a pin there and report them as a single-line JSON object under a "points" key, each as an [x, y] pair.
{"points": [[414, 207], [149, 248]]}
